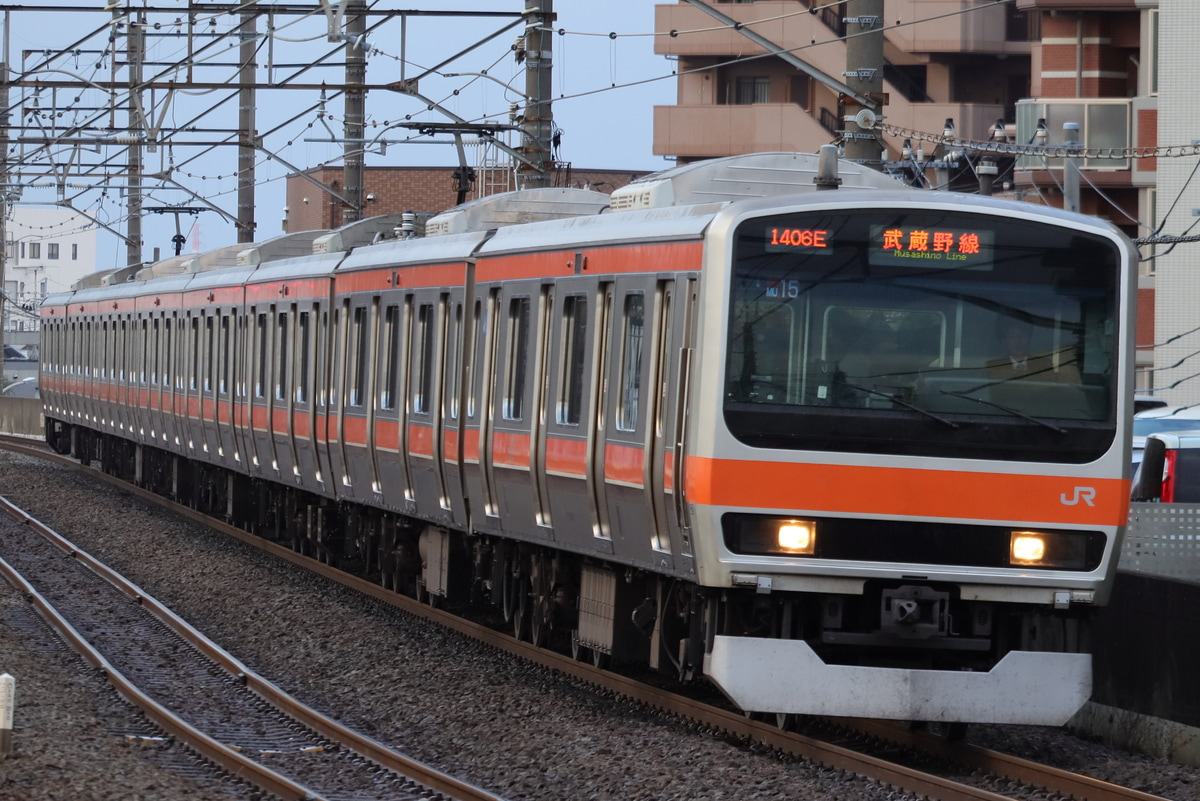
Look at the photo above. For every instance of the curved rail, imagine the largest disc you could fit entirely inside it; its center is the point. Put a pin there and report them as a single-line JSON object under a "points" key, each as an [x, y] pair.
{"points": [[733, 723], [220, 754]]}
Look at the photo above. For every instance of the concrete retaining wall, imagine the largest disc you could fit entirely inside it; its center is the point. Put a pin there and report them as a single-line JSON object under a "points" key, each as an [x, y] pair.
{"points": [[22, 416]]}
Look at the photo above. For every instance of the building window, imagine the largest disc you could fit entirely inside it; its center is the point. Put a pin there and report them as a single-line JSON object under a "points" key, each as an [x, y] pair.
{"points": [[74, 252], [752, 89], [51, 250], [35, 250]]}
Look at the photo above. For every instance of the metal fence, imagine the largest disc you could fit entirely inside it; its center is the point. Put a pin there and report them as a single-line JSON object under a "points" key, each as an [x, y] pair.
{"points": [[1163, 539]]}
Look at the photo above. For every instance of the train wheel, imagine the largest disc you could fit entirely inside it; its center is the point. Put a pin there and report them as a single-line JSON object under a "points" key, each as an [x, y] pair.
{"points": [[539, 623], [522, 608], [785, 721]]}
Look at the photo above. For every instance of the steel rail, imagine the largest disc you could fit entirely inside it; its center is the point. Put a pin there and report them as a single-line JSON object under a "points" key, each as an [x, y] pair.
{"points": [[241, 766], [218, 753], [1082, 788]]}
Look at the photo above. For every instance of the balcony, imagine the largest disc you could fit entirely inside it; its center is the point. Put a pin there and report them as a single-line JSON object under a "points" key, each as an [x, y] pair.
{"points": [[973, 29], [1104, 123], [704, 131]]}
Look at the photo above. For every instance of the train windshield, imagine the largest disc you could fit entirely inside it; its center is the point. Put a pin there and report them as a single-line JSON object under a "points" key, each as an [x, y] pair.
{"points": [[923, 332]]}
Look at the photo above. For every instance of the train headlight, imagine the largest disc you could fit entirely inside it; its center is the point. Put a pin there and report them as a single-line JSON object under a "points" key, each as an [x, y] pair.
{"points": [[1028, 548], [797, 536], [1047, 549], [763, 535]]}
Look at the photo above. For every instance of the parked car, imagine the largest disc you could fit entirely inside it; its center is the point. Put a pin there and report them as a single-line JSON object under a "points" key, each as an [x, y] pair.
{"points": [[1163, 418], [1170, 468], [1142, 402]]}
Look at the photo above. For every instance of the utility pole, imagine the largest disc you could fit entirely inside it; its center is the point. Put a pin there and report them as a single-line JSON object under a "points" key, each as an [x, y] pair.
{"points": [[538, 120], [1071, 167], [135, 40], [4, 121], [356, 100], [864, 75], [247, 69]]}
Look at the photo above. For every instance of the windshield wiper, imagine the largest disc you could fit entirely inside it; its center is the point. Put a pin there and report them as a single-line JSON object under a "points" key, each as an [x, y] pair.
{"points": [[898, 400], [1009, 409]]}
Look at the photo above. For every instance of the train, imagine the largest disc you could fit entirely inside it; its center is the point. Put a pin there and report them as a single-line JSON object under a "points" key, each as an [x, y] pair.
{"points": [[775, 422]]}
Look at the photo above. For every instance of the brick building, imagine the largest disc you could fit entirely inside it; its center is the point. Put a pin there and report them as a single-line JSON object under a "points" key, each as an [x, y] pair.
{"points": [[420, 189]]}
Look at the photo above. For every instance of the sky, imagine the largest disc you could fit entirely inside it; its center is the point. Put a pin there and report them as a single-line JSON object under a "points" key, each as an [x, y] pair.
{"points": [[604, 89]]}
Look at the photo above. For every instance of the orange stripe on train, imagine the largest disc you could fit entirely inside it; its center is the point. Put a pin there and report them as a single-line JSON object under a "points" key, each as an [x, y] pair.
{"points": [[905, 492]]}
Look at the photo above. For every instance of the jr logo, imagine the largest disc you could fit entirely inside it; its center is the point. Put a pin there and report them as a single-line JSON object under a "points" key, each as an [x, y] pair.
{"points": [[1085, 494]]}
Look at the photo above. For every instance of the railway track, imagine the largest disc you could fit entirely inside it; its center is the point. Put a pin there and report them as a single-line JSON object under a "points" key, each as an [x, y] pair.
{"points": [[888, 754], [196, 693]]}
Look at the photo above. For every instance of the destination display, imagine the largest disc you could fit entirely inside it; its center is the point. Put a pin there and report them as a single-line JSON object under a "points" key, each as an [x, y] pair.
{"points": [[920, 246], [911, 246]]}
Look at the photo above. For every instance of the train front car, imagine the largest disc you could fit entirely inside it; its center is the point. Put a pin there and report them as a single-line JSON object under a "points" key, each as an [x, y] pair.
{"points": [[907, 457]]}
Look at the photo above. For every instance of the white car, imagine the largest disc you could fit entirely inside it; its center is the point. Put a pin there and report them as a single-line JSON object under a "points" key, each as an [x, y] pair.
{"points": [[1161, 419]]}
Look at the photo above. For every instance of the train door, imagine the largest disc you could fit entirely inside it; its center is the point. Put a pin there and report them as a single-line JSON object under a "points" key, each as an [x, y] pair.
{"points": [[242, 367], [339, 347], [309, 437], [425, 425], [628, 447], [452, 403], [259, 451], [392, 358], [224, 392], [677, 336], [516, 443], [574, 474], [141, 414], [88, 369], [283, 423], [191, 423], [174, 411], [476, 467], [157, 378], [322, 388], [209, 424], [126, 398], [357, 408]]}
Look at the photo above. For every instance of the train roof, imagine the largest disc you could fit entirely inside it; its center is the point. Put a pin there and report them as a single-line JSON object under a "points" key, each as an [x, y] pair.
{"points": [[753, 175]]}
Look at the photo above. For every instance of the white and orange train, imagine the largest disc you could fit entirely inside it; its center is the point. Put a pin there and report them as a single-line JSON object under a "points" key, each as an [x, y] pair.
{"points": [[720, 422]]}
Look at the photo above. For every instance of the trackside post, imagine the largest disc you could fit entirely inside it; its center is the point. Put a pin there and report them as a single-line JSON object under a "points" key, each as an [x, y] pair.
{"points": [[8, 686]]}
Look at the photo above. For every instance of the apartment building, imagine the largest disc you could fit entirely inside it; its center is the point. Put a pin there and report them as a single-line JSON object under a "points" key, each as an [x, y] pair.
{"points": [[47, 250], [1045, 70]]}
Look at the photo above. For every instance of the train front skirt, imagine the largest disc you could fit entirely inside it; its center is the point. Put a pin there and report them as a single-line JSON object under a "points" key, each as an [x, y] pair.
{"points": [[787, 676]]}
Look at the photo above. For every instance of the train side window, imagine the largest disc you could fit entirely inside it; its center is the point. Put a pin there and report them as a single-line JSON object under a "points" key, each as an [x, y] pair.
{"points": [[223, 378], [156, 354], [125, 346], [145, 354], [423, 351], [101, 370], [632, 342], [454, 362], [260, 375], [282, 357], [479, 326], [193, 378], [163, 351], [303, 331], [358, 358], [209, 353], [391, 372], [574, 341], [516, 358]]}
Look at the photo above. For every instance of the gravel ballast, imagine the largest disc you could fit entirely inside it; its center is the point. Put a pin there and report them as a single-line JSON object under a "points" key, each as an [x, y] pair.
{"points": [[515, 729]]}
